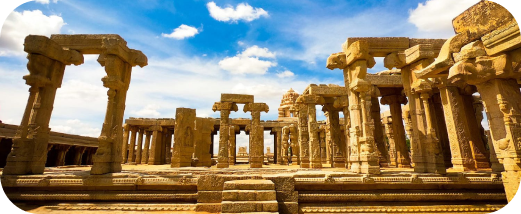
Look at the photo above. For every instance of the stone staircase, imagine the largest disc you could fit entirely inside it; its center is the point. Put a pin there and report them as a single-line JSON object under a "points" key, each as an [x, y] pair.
{"points": [[249, 196]]}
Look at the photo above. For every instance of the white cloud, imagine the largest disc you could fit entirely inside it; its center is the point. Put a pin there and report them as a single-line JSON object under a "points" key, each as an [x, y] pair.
{"points": [[243, 11], [19, 25], [435, 16], [77, 127], [46, 1], [148, 111], [182, 32], [248, 61], [285, 73]]}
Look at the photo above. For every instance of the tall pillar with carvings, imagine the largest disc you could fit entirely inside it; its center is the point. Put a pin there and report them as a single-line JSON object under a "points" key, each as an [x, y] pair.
{"points": [[47, 61], [256, 133], [184, 137], [224, 108], [398, 130]]}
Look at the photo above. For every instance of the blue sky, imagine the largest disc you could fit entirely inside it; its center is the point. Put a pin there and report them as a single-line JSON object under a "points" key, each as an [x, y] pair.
{"points": [[253, 47]]}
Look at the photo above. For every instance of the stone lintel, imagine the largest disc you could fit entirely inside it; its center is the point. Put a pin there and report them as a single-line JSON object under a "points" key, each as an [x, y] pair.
{"points": [[341, 102], [237, 98], [382, 46], [482, 18], [44, 46], [435, 43], [388, 81], [150, 121], [330, 90], [310, 99], [256, 107], [418, 52], [504, 38], [358, 50], [101, 44]]}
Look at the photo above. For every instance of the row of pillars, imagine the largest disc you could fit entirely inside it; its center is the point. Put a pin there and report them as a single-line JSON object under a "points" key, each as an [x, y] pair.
{"points": [[154, 150]]}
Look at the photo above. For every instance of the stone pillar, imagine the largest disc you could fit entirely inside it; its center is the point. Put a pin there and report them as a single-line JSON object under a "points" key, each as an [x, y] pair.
{"points": [[232, 142], [62, 151], [398, 130], [388, 122], [204, 128], [277, 131], [224, 108], [322, 137], [146, 150], [132, 145], [154, 157], [285, 145], [343, 103], [47, 61], [294, 137], [460, 136], [478, 108], [303, 138], [256, 133], [314, 141], [78, 154], [441, 129], [168, 146], [435, 162], [378, 132], [124, 151], [139, 151], [184, 137], [333, 121], [107, 158]]}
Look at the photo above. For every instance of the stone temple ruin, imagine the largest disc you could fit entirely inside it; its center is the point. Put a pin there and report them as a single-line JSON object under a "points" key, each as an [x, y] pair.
{"points": [[428, 154]]}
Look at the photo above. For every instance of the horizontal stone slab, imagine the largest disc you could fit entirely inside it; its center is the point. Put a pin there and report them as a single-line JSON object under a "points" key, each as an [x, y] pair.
{"points": [[249, 185], [249, 206]]}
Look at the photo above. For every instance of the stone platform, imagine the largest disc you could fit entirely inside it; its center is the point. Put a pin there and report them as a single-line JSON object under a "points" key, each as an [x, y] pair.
{"points": [[159, 188]]}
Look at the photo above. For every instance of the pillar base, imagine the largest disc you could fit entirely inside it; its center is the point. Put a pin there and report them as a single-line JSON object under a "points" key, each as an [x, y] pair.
{"points": [[511, 181], [256, 165], [338, 162], [316, 165], [23, 168], [100, 168], [223, 165]]}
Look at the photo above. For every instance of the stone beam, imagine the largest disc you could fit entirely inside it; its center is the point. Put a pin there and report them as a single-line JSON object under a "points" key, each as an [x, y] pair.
{"points": [[387, 81], [101, 44], [44, 46], [237, 98], [382, 46], [323, 90]]}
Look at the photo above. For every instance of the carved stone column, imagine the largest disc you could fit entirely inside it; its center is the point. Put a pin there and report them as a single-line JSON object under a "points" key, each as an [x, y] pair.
{"points": [[256, 133], [154, 157], [139, 151], [47, 61], [333, 121], [118, 68], [398, 130], [124, 151], [388, 122], [224, 108], [184, 137], [132, 145], [494, 163], [204, 128], [285, 145], [378, 132], [146, 150], [168, 146], [323, 146], [62, 151], [232, 143], [277, 131], [343, 103], [300, 150], [78, 154]]}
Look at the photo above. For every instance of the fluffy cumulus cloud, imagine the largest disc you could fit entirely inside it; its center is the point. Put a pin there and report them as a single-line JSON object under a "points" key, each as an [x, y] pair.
{"points": [[242, 11], [435, 16], [285, 74], [20, 24], [182, 32], [46, 1], [249, 62]]}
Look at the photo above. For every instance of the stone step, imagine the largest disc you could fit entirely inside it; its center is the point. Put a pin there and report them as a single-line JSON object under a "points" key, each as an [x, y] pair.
{"points": [[249, 195], [249, 206], [249, 185]]}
